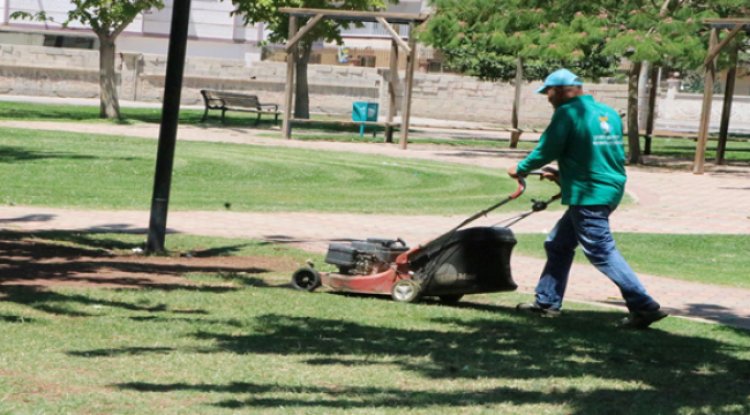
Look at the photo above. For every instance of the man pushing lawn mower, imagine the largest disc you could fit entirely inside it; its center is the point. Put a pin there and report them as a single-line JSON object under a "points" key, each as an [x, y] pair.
{"points": [[585, 138]]}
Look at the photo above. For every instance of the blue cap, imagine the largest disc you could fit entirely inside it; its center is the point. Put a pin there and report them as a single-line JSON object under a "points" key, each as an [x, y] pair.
{"points": [[561, 77]]}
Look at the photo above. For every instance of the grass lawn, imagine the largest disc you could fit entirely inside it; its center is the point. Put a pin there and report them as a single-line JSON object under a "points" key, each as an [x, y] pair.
{"points": [[711, 259], [105, 172], [257, 346], [77, 113]]}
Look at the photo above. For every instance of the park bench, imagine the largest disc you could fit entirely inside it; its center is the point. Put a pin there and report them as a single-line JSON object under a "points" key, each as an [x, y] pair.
{"points": [[232, 101]]}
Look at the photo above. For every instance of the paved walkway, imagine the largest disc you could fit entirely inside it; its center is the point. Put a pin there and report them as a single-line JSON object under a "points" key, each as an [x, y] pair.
{"points": [[667, 202]]}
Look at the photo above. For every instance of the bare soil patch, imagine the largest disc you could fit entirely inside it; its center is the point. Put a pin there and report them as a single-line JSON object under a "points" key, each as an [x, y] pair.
{"points": [[46, 265]]}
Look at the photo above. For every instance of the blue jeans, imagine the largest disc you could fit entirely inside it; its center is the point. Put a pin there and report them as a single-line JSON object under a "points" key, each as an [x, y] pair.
{"points": [[588, 226]]}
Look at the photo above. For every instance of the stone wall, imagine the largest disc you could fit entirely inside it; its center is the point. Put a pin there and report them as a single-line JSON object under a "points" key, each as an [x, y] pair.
{"points": [[58, 72], [40, 71], [457, 97], [682, 112]]}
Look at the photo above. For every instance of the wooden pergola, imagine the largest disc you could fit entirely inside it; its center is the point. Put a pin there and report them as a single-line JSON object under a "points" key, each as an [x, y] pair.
{"points": [[714, 48], [386, 20]]}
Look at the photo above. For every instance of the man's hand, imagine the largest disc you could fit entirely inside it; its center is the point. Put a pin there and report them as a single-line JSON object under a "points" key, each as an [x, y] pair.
{"points": [[551, 173], [513, 172]]}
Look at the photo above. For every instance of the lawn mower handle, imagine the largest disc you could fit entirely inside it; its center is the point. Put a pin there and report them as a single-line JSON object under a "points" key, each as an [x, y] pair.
{"points": [[515, 195], [404, 257], [545, 172], [519, 190]]}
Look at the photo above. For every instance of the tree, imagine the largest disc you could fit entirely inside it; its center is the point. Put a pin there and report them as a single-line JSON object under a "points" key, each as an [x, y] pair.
{"points": [[267, 11], [525, 41], [107, 19], [485, 37], [666, 34], [669, 33]]}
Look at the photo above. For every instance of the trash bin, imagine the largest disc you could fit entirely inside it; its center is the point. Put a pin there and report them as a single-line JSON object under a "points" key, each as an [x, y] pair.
{"points": [[364, 111]]}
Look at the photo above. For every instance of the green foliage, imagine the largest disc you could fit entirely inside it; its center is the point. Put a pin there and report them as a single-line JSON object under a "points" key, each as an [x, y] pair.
{"points": [[109, 16], [665, 37], [485, 37]]}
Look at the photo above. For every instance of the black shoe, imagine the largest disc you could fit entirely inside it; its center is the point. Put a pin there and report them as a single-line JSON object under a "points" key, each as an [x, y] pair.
{"points": [[534, 308], [642, 319]]}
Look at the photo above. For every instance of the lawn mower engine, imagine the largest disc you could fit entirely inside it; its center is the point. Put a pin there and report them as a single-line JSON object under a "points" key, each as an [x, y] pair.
{"points": [[370, 256]]}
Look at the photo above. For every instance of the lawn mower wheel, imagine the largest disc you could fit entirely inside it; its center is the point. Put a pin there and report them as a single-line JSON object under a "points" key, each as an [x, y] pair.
{"points": [[306, 279], [406, 291]]}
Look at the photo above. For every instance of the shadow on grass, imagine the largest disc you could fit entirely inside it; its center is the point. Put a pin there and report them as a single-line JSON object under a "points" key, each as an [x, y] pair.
{"points": [[619, 372], [28, 218], [28, 267], [50, 246], [125, 351], [218, 251], [65, 304], [10, 154], [17, 319]]}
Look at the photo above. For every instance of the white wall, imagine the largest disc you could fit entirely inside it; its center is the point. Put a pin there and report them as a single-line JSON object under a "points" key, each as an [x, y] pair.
{"points": [[195, 48]]}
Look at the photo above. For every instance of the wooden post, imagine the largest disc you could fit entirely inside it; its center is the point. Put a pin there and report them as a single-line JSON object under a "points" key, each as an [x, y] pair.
{"points": [[726, 110], [291, 58], [394, 34], [293, 40], [515, 135], [653, 80], [410, 65], [392, 85], [715, 49], [708, 96]]}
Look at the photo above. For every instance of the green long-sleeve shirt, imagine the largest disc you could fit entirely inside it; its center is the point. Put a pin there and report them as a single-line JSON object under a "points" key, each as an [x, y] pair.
{"points": [[585, 137]]}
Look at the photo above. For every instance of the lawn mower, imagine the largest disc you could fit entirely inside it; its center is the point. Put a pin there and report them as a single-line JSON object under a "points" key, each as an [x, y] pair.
{"points": [[456, 263]]}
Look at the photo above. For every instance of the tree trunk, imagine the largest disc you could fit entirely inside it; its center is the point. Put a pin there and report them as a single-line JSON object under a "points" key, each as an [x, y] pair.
{"points": [[515, 135], [634, 143], [302, 96], [109, 107]]}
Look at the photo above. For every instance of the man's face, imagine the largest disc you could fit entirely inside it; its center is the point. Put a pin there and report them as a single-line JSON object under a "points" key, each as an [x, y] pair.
{"points": [[558, 95], [555, 96]]}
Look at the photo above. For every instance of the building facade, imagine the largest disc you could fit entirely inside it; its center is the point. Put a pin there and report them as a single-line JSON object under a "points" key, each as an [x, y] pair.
{"points": [[213, 31]]}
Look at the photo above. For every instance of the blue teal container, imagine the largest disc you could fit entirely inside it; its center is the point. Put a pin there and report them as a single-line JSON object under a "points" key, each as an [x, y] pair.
{"points": [[362, 112]]}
